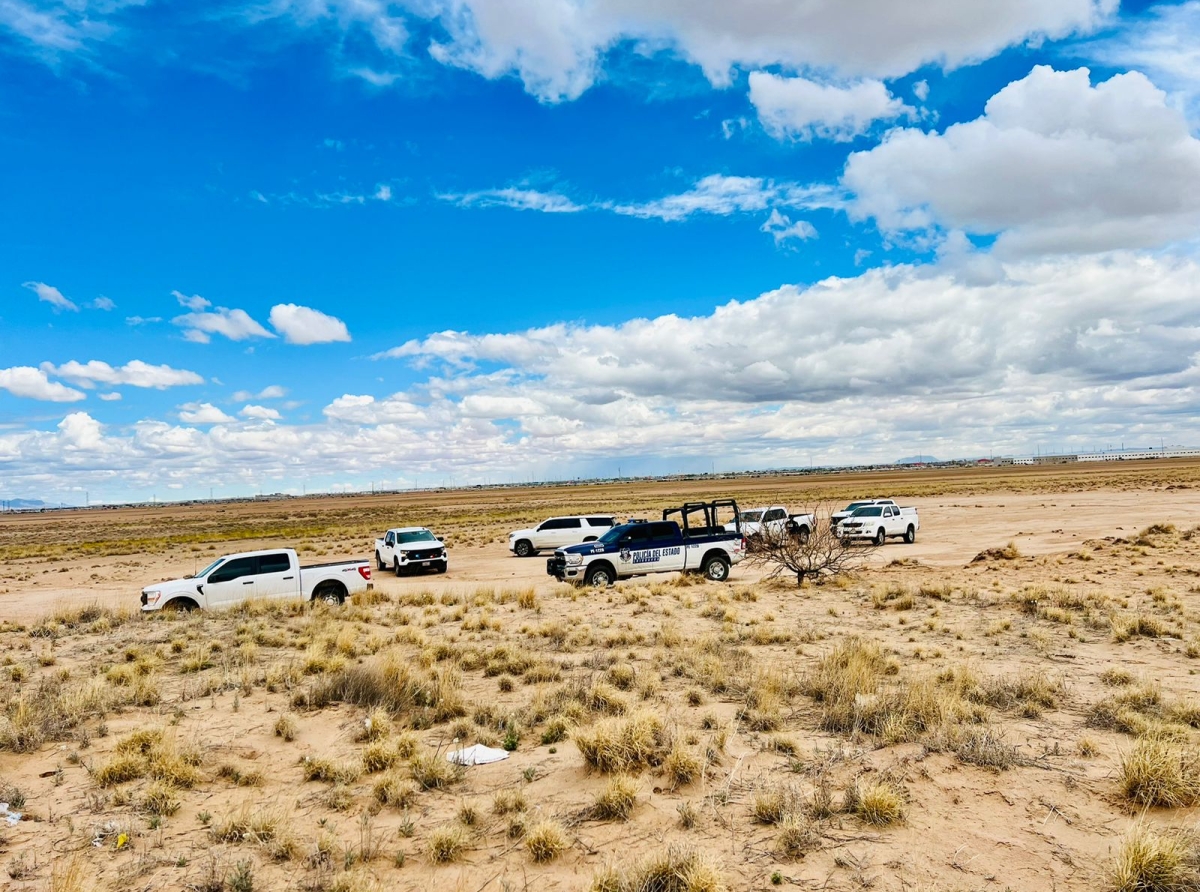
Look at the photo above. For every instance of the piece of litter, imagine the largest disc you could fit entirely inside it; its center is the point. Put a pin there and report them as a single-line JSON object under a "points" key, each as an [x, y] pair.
{"points": [[476, 755], [13, 818]]}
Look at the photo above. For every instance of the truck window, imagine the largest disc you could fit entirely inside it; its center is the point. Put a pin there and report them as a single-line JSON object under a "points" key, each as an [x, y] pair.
{"points": [[274, 563], [601, 521], [235, 569], [774, 514], [659, 532], [562, 523], [637, 534], [390, 540]]}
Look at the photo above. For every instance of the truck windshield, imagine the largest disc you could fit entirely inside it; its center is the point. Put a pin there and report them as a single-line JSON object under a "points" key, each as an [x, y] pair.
{"points": [[210, 568], [854, 506], [615, 533], [873, 511], [416, 536], [751, 516]]}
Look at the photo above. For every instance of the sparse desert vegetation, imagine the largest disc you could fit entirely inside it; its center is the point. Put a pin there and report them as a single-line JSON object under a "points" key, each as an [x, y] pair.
{"points": [[933, 720]]}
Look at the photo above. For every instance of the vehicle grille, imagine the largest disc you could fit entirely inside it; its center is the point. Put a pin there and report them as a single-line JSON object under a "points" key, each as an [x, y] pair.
{"points": [[557, 565], [426, 555], [143, 599]]}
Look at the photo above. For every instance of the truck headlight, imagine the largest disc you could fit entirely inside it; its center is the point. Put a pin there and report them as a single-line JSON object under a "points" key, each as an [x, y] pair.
{"points": [[152, 596], [574, 560]]}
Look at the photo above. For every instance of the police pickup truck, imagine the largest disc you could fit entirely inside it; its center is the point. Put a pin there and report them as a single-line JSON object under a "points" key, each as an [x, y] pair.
{"points": [[698, 541]]}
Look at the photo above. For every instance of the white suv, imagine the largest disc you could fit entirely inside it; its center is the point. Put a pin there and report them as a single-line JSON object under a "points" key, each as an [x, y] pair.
{"points": [[559, 531]]}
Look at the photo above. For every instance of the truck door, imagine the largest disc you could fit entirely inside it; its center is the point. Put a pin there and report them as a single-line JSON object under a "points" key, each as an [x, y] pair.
{"points": [[559, 532], [276, 577], [231, 582], [389, 545], [654, 548]]}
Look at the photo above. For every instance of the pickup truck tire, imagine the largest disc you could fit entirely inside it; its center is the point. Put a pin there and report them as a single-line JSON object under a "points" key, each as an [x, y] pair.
{"points": [[600, 574], [910, 535], [183, 605], [332, 593], [379, 564], [443, 566], [398, 569], [881, 537], [590, 539], [715, 567], [802, 534], [524, 548]]}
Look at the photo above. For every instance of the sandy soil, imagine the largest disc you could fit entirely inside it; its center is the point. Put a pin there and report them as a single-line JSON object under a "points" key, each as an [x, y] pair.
{"points": [[728, 670]]}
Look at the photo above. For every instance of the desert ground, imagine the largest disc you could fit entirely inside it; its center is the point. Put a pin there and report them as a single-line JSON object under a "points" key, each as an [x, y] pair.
{"points": [[1009, 703]]}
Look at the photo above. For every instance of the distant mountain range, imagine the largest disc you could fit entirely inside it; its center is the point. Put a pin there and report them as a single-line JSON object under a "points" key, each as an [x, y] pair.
{"points": [[915, 460], [22, 504]]}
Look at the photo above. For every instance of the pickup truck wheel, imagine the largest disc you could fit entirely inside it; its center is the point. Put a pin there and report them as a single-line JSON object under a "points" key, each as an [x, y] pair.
{"points": [[716, 569], [524, 548], [397, 568], [379, 564], [599, 575], [443, 566], [590, 539], [802, 535], [331, 593], [881, 537], [180, 605], [910, 535]]}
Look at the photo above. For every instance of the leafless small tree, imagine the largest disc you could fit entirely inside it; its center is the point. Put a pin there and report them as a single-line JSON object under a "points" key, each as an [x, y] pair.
{"points": [[808, 550]]}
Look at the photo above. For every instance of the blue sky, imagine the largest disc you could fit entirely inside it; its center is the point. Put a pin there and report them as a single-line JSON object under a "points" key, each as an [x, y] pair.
{"points": [[319, 245]]}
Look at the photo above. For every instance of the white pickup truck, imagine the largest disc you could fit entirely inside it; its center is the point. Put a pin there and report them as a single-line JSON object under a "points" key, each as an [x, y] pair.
{"points": [[773, 522], [880, 523], [269, 575], [411, 548], [838, 516]]}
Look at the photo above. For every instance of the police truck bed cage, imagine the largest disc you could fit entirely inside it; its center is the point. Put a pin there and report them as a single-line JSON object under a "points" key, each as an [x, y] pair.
{"points": [[712, 525]]}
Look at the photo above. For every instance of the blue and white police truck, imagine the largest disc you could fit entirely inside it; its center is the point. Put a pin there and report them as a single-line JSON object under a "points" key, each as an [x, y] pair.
{"points": [[698, 542]]}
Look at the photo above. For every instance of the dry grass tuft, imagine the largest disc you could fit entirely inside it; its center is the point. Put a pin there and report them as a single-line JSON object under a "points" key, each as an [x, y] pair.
{"points": [[682, 766], [392, 683], [617, 800], [431, 770], [395, 790], [876, 801], [1159, 772], [798, 836], [446, 843], [1153, 860], [678, 869], [624, 745], [545, 840]]}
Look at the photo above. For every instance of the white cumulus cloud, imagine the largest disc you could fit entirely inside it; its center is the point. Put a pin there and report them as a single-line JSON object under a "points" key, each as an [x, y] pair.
{"points": [[134, 374], [260, 413], [199, 325], [202, 413], [799, 108], [1053, 164], [304, 325], [31, 383]]}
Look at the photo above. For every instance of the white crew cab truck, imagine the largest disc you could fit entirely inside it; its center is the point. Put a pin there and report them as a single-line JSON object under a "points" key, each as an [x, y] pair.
{"points": [[697, 543], [270, 575], [773, 523], [838, 516], [880, 523], [559, 531], [411, 548]]}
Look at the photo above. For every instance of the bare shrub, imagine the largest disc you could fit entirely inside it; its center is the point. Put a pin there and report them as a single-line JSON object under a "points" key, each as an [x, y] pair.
{"points": [[818, 554]]}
